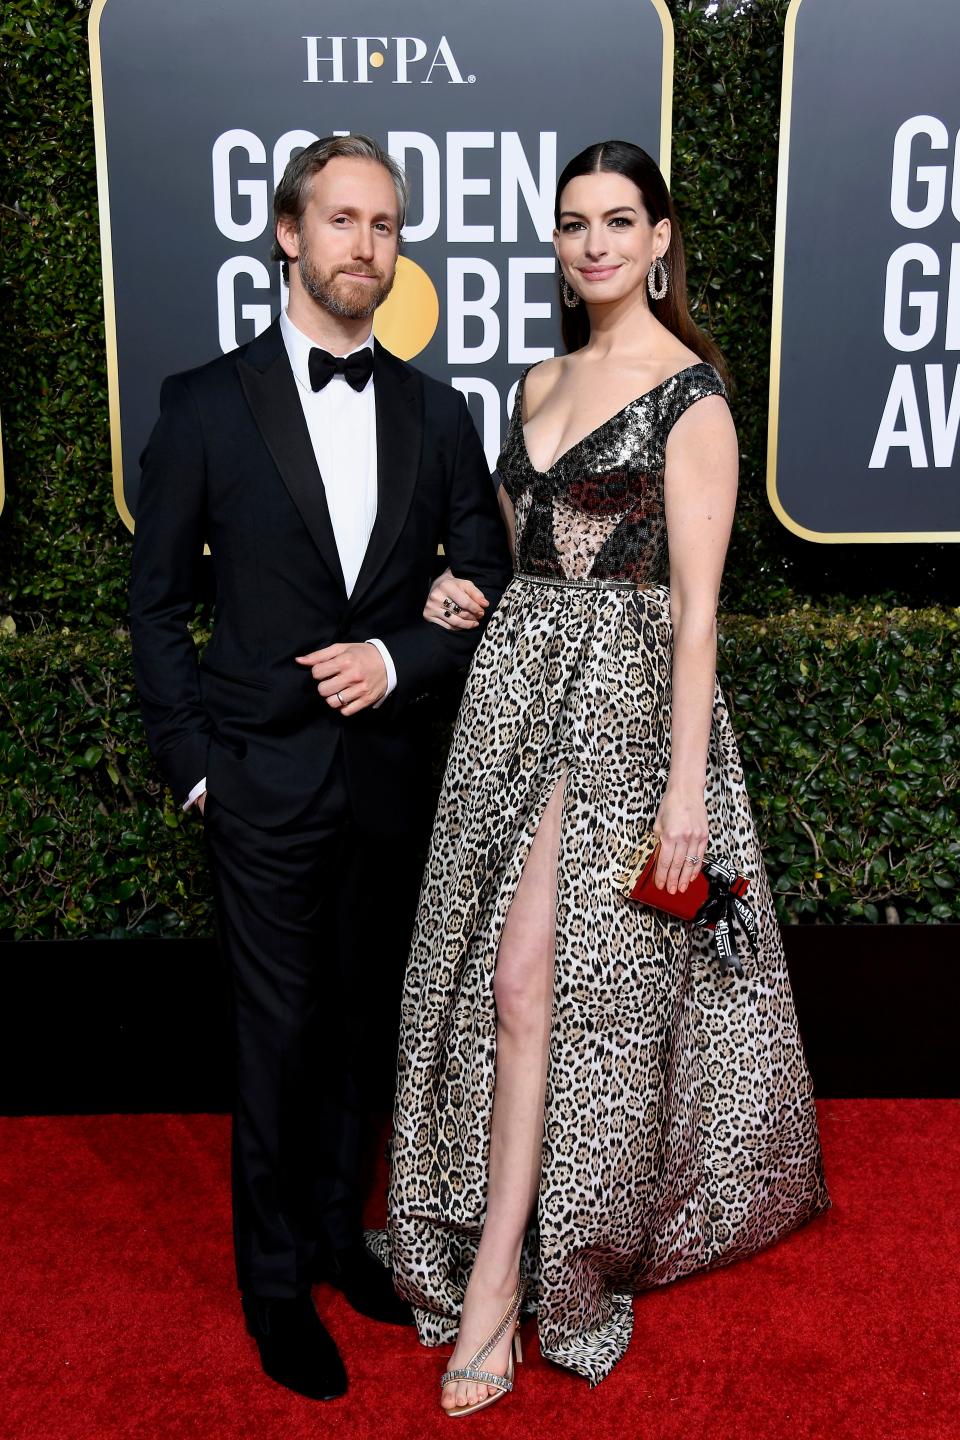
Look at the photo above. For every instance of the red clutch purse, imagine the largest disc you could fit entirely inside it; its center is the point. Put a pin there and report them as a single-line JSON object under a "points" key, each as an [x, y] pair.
{"points": [[713, 898]]}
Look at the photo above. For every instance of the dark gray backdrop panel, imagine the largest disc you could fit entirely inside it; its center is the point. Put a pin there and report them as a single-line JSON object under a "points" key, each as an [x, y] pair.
{"points": [[178, 74], [860, 68]]}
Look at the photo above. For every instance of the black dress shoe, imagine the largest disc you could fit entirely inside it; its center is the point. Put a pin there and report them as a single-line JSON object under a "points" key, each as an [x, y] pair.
{"points": [[295, 1347], [365, 1284]]}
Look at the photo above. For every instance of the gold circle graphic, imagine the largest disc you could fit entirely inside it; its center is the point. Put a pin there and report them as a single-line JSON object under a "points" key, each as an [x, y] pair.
{"points": [[408, 318], [377, 59]]}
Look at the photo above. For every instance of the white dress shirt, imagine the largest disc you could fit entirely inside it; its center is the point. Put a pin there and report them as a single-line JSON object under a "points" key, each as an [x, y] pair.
{"points": [[342, 424], [343, 432]]}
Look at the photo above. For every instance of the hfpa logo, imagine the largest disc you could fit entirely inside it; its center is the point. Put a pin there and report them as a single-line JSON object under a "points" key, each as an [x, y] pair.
{"points": [[348, 60]]}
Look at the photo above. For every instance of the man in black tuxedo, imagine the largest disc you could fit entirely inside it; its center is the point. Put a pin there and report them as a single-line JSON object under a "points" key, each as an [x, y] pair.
{"points": [[323, 473]]}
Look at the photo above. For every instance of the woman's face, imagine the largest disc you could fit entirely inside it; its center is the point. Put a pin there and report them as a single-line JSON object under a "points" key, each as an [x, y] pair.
{"points": [[605, 242]]}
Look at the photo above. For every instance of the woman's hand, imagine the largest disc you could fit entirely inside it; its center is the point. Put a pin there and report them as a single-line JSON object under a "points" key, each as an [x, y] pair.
{"points": [[455, 604], [681, 825]]}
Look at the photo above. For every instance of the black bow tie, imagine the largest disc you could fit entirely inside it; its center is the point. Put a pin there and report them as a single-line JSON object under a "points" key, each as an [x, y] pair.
{"points": [[356, 369]]}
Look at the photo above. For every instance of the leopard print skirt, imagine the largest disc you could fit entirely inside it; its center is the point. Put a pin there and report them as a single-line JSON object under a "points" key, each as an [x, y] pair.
{"points": [[679, 1127]]}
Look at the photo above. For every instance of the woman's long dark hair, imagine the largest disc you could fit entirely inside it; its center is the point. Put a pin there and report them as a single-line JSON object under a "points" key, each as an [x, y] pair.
{"points": [[620, 157]]}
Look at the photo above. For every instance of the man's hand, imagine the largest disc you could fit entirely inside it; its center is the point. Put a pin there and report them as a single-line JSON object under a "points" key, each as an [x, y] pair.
{"points": [[351, 677]]}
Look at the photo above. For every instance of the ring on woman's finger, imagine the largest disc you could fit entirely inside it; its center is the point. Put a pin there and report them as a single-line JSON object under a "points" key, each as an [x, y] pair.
{"points": [[450, 606], [340, 697], [693, 859]]}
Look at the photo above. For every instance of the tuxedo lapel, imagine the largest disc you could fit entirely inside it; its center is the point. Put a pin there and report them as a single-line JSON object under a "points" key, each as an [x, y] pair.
{"points": [[271, 392], [398, 399]]}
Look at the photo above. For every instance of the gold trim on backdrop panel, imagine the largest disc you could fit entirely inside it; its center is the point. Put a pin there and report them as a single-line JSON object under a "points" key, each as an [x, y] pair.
{"points": [[823, 537], [106, 261], [666, 88]]}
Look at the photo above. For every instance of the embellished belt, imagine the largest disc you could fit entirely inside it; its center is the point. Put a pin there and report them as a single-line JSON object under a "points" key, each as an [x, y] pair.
{"points": [[587, 583]]}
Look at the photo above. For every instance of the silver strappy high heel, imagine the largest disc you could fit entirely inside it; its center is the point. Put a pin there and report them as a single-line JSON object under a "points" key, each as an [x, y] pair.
{"points": [[502, 1384]]}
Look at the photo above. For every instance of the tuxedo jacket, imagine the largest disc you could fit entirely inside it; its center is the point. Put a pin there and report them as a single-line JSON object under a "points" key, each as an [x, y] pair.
{"points": [[230, 464]]}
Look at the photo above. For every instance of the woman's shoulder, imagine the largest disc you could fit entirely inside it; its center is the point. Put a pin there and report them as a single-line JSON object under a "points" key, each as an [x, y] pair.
{"points": [[680, 357], [690, 377], [703, 424], [538, 380], [696, 380], [681, 363]]}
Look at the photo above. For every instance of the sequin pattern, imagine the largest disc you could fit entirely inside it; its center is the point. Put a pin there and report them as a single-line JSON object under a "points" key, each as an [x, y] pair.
{"points": [[599, 511]]}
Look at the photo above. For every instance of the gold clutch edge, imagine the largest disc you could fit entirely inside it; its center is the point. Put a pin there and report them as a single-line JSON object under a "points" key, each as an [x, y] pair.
{"points": [[633, 862]]}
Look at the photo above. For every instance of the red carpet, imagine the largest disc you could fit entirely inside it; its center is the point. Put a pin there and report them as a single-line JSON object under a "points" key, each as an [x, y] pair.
{"points": [[119, 1318]]}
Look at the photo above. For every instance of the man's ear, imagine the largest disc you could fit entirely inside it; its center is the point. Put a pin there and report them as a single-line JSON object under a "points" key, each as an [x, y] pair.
{"points": [[288, 240]]}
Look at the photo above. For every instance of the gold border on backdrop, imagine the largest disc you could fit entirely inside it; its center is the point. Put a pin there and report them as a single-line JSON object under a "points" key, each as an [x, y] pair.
{"points": [[106, 245], [106, 260], [666, 88], [823, 537]]}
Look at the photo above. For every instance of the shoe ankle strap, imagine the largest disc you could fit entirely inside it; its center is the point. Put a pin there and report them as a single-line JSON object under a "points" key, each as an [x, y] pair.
{"points": [[509, 1316]]}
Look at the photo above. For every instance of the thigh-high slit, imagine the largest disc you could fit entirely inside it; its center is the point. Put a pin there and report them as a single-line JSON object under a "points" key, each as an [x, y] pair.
{"points": [[678, 1125]]}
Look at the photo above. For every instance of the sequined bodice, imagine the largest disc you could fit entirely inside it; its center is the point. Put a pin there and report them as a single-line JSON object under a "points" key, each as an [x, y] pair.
{"points": [[598, 512]]}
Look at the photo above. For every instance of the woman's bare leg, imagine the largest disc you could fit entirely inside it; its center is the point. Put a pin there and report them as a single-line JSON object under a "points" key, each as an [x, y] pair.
{"points": [[523, 990]]}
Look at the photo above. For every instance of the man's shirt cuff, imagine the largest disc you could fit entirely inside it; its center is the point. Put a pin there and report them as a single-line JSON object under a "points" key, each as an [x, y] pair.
{"points": [[198, 790], [391, 670]]}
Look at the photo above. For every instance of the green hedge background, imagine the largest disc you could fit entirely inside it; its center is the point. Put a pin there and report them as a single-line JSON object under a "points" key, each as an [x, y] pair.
{"points": [[839, 661]]}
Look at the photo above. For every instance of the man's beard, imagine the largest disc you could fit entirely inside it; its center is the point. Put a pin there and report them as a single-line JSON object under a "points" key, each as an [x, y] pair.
{"points": [[350, 302]]}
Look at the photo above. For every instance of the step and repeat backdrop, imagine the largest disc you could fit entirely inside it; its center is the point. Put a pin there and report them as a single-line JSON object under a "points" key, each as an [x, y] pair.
{"points": [[199, 104], [864, 401]]}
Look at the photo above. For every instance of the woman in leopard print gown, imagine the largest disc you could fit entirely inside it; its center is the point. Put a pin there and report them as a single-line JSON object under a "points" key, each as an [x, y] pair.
{"points": [[577, 1080]]}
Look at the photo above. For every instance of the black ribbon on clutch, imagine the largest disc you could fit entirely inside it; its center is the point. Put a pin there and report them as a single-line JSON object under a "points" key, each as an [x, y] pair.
{"points": [[722, 906]]}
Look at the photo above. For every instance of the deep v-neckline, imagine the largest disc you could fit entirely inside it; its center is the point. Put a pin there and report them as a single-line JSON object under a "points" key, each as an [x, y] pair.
{"points": [[597, 428]]}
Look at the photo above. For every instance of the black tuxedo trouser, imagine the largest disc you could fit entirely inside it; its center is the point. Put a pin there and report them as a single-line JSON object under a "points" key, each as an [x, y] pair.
{"points": [[314, 923]]}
